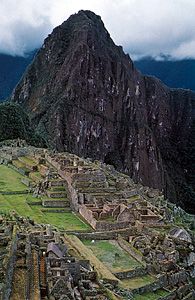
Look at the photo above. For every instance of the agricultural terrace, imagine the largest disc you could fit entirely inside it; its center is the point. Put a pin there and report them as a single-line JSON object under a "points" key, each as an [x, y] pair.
{"points": [[14, 196]]}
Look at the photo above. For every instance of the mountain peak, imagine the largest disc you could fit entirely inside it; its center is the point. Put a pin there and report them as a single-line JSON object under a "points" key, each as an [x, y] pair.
{"points": [[85, 16], [90, 15], [81, 25], [85, 28]]}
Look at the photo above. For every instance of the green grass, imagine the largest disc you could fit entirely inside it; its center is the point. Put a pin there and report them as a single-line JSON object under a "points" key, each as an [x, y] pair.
{"points": [[112, 255], [137, 282], [18, 203], [84, 252], [133, 198], [53, 209], [152, 296], [36, 175], [18, 164], [28, 160], [66, 221], [10, 180]]}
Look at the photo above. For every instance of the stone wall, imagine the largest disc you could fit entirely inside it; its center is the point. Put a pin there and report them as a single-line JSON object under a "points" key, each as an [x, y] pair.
{"points": [[10, 266], [28, 265], [88, 216], [55, 183], [43, 170], [107, 235], [72, 192], [164, 281], [175, 278], [54, 203], [148, 288], [137, 272], [53, 194], [184, 292], [15, 193], [106, 226], [150, 219], [26, 181], [5, 157], [22, 171], [131, 250]]}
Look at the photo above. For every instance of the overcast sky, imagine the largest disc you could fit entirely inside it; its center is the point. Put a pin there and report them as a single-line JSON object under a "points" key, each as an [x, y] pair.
{"points": [[142, 27]]}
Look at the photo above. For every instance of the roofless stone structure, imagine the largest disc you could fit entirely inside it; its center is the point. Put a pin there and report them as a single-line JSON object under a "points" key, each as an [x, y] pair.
{"points": [[133, 234]]}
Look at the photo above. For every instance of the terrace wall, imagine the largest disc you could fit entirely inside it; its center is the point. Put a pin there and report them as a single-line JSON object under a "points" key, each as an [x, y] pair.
{"points": [[130, 249], [137, 272], [107, 235], [54, 203], [105, 226], [10, 266], [88, 215]]}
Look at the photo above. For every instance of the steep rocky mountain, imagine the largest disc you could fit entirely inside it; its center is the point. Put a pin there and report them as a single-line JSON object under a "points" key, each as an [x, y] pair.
{"points": [[84, 95], [11, 70], [176, 74]]}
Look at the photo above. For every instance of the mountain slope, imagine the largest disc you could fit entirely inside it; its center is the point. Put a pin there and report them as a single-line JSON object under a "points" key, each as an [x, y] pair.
{"points": [[176, 74], [84, 95]]}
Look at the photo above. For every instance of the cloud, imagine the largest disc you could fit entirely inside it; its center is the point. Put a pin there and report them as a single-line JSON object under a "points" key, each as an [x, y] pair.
{"points": [[23, 25], [143, 28], [185, 49]]}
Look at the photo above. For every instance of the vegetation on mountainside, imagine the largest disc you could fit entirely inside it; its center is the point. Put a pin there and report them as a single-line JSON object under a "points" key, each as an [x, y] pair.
{"points": [[14, 123]]}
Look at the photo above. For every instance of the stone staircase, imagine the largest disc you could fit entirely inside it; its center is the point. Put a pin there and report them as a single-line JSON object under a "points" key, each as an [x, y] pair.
{"points": [[55, 193]]}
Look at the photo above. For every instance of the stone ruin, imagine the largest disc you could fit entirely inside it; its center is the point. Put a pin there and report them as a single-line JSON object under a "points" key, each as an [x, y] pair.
{"points": [[36, 263], [117, 216], [138, 218], [106, 199]]}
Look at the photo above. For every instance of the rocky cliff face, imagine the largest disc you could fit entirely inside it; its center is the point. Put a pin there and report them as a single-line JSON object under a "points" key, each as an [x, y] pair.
{"points": [[84, 95]]}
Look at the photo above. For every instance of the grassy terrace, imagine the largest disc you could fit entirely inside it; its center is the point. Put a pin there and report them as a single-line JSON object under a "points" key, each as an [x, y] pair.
{"points": [[35, 176], [111, 254], [10, 181], [152, 296], [28, 160], [137, 282]]}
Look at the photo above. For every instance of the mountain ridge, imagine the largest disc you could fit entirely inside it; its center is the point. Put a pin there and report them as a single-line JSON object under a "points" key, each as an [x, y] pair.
{"points": [[174, 73]]}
